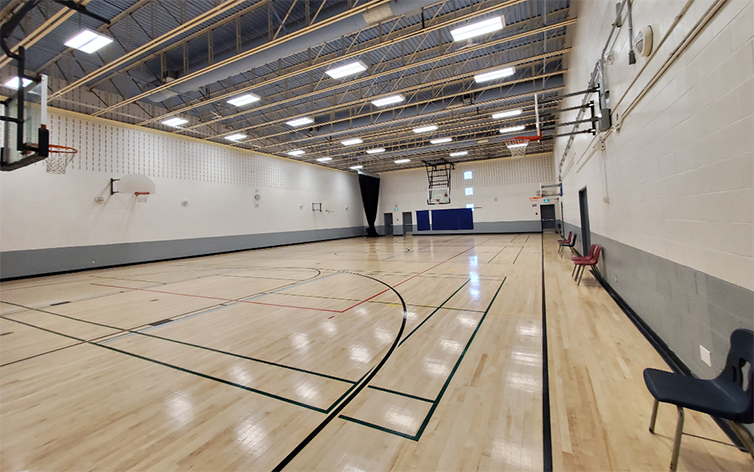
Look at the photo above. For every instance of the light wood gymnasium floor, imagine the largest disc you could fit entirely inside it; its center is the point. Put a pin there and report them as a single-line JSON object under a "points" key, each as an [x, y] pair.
{"points": [[405, 353]]}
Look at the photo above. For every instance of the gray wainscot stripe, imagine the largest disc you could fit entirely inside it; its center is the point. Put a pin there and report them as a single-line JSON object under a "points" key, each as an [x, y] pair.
{"points": [[63, 259], [686, 308], [491, 227]]}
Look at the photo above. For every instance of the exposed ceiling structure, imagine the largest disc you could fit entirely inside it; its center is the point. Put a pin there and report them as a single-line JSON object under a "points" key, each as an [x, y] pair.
{"points": [[188, 59]]}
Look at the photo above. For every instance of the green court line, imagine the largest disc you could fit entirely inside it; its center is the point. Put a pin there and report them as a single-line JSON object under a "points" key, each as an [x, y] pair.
{"points": [[432, 314], [335, 403], [182, 369], [377, 427], [436, 401], [493, 257], [395, 392]]}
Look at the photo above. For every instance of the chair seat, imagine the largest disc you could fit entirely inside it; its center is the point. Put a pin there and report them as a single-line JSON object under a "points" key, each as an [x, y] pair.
{"points": [[707, 396]]}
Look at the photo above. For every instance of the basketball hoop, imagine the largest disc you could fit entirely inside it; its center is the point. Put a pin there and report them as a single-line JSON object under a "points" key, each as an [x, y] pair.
{"points": [[141, 197], [58, 158], [517, 146]]}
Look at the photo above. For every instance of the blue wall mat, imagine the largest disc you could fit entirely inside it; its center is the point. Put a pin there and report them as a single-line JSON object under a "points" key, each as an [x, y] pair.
{"points": [[452, 219], [422, 220]]}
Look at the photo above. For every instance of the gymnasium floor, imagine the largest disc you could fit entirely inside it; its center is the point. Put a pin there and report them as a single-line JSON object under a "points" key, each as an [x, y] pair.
{"points": [[425, 353]]}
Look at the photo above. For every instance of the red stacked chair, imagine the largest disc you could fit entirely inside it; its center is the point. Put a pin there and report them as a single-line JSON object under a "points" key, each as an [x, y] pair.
{"points": [[581, 262]]}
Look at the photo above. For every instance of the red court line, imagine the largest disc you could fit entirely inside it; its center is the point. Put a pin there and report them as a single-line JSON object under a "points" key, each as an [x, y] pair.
{"points": [[217, 298], [291, 306]]}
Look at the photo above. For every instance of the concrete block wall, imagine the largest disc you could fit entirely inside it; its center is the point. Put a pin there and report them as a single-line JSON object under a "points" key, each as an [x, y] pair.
{"points": [[671, 198]]}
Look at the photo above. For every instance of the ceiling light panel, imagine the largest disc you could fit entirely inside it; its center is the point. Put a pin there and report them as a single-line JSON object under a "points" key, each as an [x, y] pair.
{"points": [[13, 83], [324, 159], [381, 102], [245, 99], [425, 129], [297, 152], [495, 74], [375, 150], [346, 70], [512, 129], [175, 122], [459, 154], [440, 140], [235, 137], [356, 167], [478, 29], [351, 142], [88, 41], [402, 161], [300, 121], [506, 114]]}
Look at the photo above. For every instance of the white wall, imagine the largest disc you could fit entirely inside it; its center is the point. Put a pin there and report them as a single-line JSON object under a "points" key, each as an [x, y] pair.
{"points": [[40, 210], [677, 179], [511, 181]]}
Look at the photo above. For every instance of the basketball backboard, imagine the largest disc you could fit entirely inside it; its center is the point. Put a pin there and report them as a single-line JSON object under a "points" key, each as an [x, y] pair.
{"points": [[25, 137]]}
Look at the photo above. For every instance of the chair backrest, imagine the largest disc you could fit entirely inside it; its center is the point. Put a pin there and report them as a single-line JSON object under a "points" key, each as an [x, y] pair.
{"points": [[591, 251], [573, 241], [596, 255], [570, 235], [740, 354]]}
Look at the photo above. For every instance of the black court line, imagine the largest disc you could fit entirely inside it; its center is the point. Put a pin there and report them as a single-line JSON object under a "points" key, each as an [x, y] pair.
{"points": [[493, 257], [437, 400], [395, 392], [41, 354], [519, 253], [546, 421], [368, 377], [60, 303], [435, 311]]}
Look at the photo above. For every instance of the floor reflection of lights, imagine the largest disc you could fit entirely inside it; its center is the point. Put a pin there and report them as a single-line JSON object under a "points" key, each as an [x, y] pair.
{"points": [[400, 418], [307, 392], [450, 345], [436, 368], [527, 383], [526, 358], [240, 375], [180, 408], [359, 354], [328, 327], [467, 321], [300, 342], [383, 335], [512, 454], [252, 436], [530, 330]]}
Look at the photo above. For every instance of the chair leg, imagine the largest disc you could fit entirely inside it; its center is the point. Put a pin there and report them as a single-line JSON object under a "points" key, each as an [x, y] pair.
{"points": [[654, 416], [574, 270], [581, 274], [677, 441]]}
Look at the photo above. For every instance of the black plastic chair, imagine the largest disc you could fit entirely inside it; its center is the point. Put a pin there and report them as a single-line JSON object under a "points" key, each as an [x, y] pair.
{"points": [[568, 244], [723, 397]]}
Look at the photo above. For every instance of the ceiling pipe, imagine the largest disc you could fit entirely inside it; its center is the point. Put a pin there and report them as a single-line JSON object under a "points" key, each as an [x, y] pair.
{"points": [[368, 18]]}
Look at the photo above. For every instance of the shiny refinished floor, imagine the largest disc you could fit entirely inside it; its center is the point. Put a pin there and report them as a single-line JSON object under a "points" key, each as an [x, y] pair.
{"points": [[230, 362]]}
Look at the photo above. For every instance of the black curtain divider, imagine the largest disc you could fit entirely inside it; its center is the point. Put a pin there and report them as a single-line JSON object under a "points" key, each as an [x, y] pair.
{"points": [[370, 194]]}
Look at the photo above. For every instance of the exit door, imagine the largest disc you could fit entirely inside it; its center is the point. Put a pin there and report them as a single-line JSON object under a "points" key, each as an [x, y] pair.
{"points": [[547, 214], [408, 223], [388, 224]]}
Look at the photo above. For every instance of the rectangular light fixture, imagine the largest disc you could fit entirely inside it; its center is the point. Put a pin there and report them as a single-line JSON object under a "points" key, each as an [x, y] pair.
{"points": [[506, 114], [440, 140], [244, 99], [88, 41], [345, 70], [324, 159], [425, 129], [512, 129], [459, 154], [478, 29], [13, 83], [495, 74], [235, 137], [351, 142], [375, 150], [299, 121], [175, 122], [402, 161], [514, 146], [297, 152], [356, 167], [381, 102]]}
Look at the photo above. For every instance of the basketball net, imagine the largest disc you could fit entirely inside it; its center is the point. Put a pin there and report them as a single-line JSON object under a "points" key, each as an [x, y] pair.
{"points": [[517, 146], [58, 158]]}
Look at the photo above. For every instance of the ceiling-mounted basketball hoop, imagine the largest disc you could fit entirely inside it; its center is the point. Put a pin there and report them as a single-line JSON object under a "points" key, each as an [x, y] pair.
{"points": [[518, 144]]}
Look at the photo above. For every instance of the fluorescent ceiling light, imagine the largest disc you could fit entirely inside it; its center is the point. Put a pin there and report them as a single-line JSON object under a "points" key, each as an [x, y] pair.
{"points": [[175, 122], [324, 159], [512, 129], [235, 137], [402, 161], [299, 121], [13, 83], [514, 146], [425, 129], [477, 29], [356, 167], [297, 152], [88, 41], [495, 74], [346, 70], [506, 114], [381, 102], [375, 150], [440, 140], [351, 142], [459, 154], [245, 99]]}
